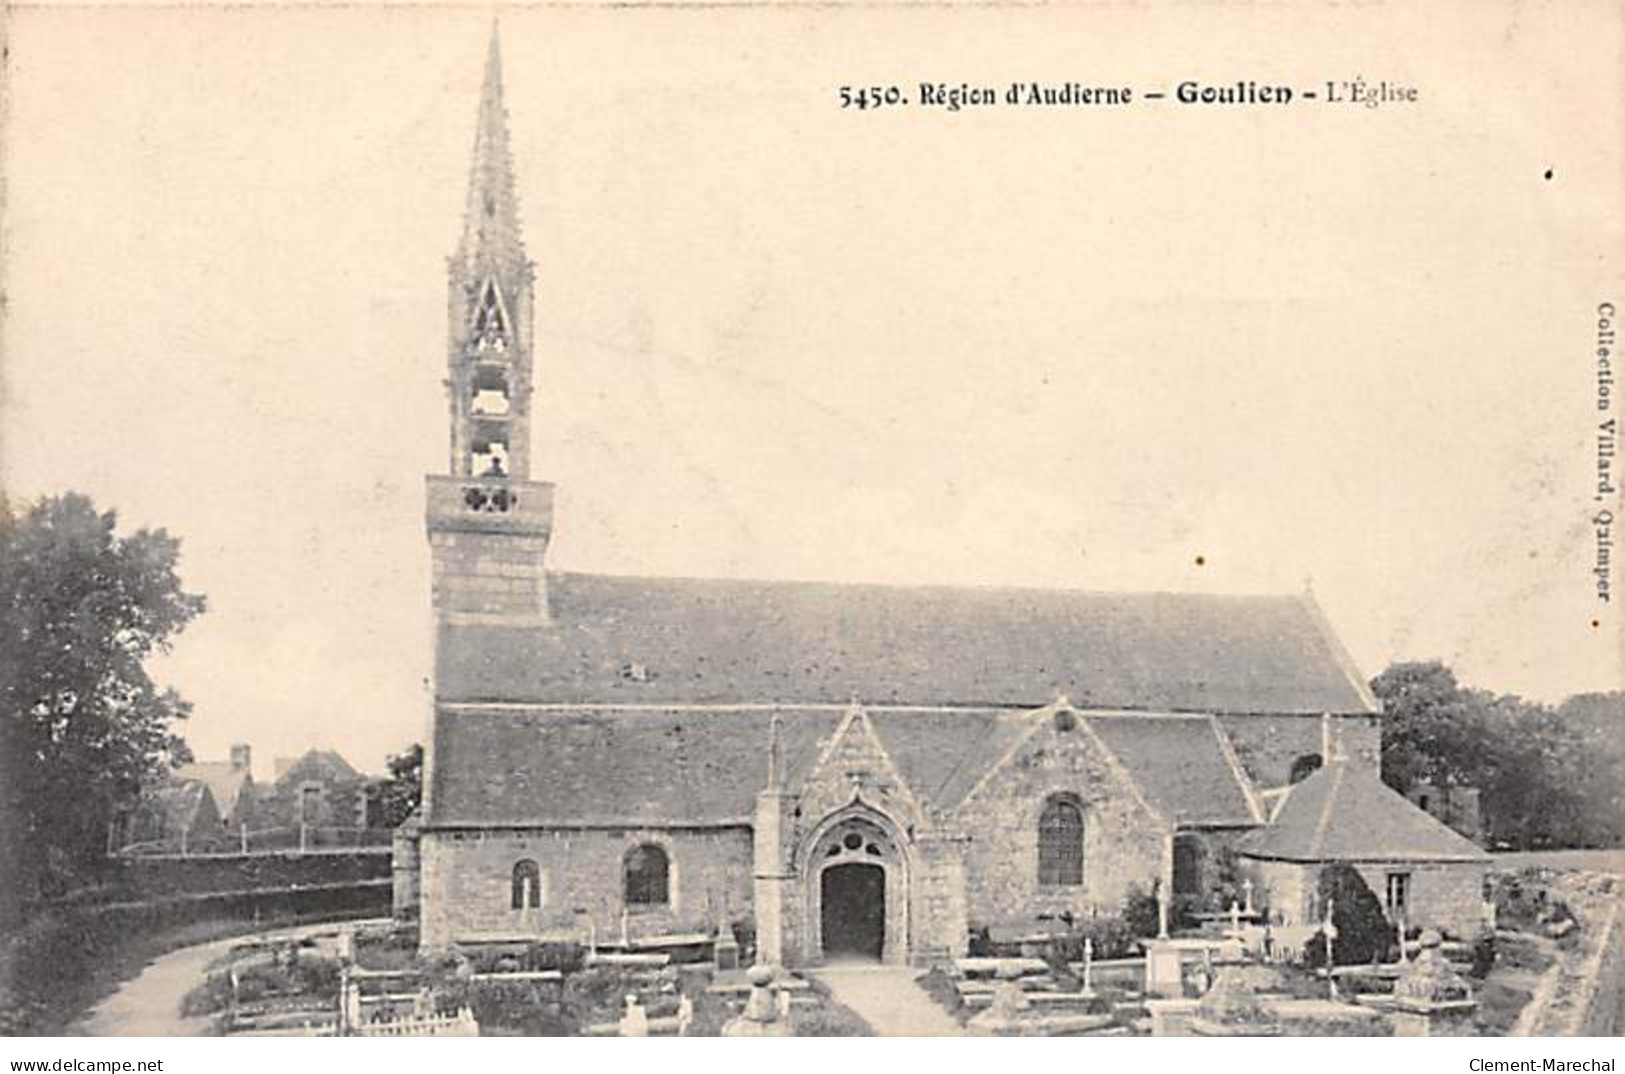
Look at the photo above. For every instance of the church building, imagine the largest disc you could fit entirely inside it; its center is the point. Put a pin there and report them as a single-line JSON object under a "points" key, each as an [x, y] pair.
{"points": [[855, 770]]}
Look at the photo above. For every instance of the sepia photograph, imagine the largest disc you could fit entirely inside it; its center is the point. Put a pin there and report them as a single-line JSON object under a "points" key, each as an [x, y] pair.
{"points": [[812, 520]]}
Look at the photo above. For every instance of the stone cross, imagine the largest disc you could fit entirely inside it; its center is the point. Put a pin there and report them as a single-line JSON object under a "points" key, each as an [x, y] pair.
{"points": [[1331, 934], [350, 992]]}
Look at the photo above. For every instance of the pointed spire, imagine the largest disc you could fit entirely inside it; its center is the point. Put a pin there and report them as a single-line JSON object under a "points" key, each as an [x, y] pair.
{"points": [[491, 224]]}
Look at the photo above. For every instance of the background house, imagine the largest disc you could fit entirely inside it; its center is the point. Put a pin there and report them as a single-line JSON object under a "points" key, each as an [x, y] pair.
{"points": [[180, 816], [231, 783], [319, 789]]}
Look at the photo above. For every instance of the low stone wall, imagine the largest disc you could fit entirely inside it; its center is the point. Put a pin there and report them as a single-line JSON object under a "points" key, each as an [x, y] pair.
{"points": [[134, 880], [1583, 994], [1604, 1014]]}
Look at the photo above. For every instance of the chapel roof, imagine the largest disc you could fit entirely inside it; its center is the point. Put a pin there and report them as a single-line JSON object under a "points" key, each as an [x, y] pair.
{"points": [[667, 767], [626, 640], [1344, 813]]}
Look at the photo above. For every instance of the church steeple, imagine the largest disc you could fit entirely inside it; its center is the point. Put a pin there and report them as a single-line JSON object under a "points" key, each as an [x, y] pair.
{"points": [[490, 305], [491, 222], [489, 524]]}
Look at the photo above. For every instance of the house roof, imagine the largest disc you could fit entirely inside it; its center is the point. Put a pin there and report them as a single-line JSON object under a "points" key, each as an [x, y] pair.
{"points": [[714, 641], [314, 764], [662, 767], [183, 804], [1344, 812], [224, 780]]}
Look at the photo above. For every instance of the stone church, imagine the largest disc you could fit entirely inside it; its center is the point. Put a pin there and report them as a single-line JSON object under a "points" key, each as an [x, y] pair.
{"points": [[855, 769]]}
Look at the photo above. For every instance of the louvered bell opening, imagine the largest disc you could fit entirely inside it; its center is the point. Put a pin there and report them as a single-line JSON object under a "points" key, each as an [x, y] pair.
{"points": [[489, 449], [490, 390]]}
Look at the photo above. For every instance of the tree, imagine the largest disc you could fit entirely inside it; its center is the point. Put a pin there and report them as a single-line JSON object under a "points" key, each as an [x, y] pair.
{"points": [[1363, 931], [392, 799], [1432, 728], [83, 728], [1523, 757], [1597, 724]]}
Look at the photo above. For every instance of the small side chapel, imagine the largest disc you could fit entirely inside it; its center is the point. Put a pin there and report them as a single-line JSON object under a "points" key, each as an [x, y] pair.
{"points": [[854, 771]]}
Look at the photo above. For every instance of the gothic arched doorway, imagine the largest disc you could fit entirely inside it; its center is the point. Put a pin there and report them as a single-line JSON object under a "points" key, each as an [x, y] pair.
{"points": [[852, 901], [857, 890]]}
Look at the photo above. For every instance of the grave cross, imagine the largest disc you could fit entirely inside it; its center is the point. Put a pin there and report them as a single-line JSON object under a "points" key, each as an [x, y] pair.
{"points": [[1330, 931]]}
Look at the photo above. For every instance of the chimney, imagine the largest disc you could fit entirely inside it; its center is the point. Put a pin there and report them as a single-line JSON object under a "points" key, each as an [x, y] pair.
{"points": [[240, 757]]}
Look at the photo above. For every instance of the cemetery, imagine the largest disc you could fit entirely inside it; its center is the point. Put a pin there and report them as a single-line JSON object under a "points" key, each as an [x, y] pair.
{"points": [[369, 981], [1533, 968]]}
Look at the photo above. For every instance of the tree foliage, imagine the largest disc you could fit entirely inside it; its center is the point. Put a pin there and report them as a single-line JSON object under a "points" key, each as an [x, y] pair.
{"points": [[392, 799], [1363, 931], [82, 726], [1546, 777]]}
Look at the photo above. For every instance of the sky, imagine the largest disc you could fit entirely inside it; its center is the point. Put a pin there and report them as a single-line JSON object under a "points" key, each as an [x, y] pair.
{"points": [[1161, 347]]}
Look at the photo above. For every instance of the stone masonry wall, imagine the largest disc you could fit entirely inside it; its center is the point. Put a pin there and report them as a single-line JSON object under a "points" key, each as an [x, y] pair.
{"points": [[489, 574], [467, 883], [1125, 843], [1286, 888], [1448, 896], [941, 928]]}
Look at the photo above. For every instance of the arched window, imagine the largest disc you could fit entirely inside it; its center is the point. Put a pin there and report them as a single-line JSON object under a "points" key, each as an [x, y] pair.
{"points": [[645, 875], [1304, 767], [527, 885], [1060, 842]]}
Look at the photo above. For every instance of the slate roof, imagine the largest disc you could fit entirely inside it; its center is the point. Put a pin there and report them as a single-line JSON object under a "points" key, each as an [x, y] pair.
{"points": [[314, 764], [713, 641], [182, 804], [224, 780], [662, 767], [1184, 766], [1345, 813]]}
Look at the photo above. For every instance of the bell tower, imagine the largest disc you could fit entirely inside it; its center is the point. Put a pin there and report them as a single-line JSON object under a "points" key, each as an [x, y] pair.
{"points": [[488, 523]]}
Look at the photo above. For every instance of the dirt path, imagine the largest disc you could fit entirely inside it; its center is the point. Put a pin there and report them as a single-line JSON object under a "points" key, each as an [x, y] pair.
{"points": [[149, 1005], [888, 999]]}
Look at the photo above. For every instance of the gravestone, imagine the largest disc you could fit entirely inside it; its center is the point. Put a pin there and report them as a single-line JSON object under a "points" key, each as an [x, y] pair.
{"points": [[1430, 998], [1232, 1009], [1164, 970], [635, 1020], [764, 1015], [726, 950]]}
